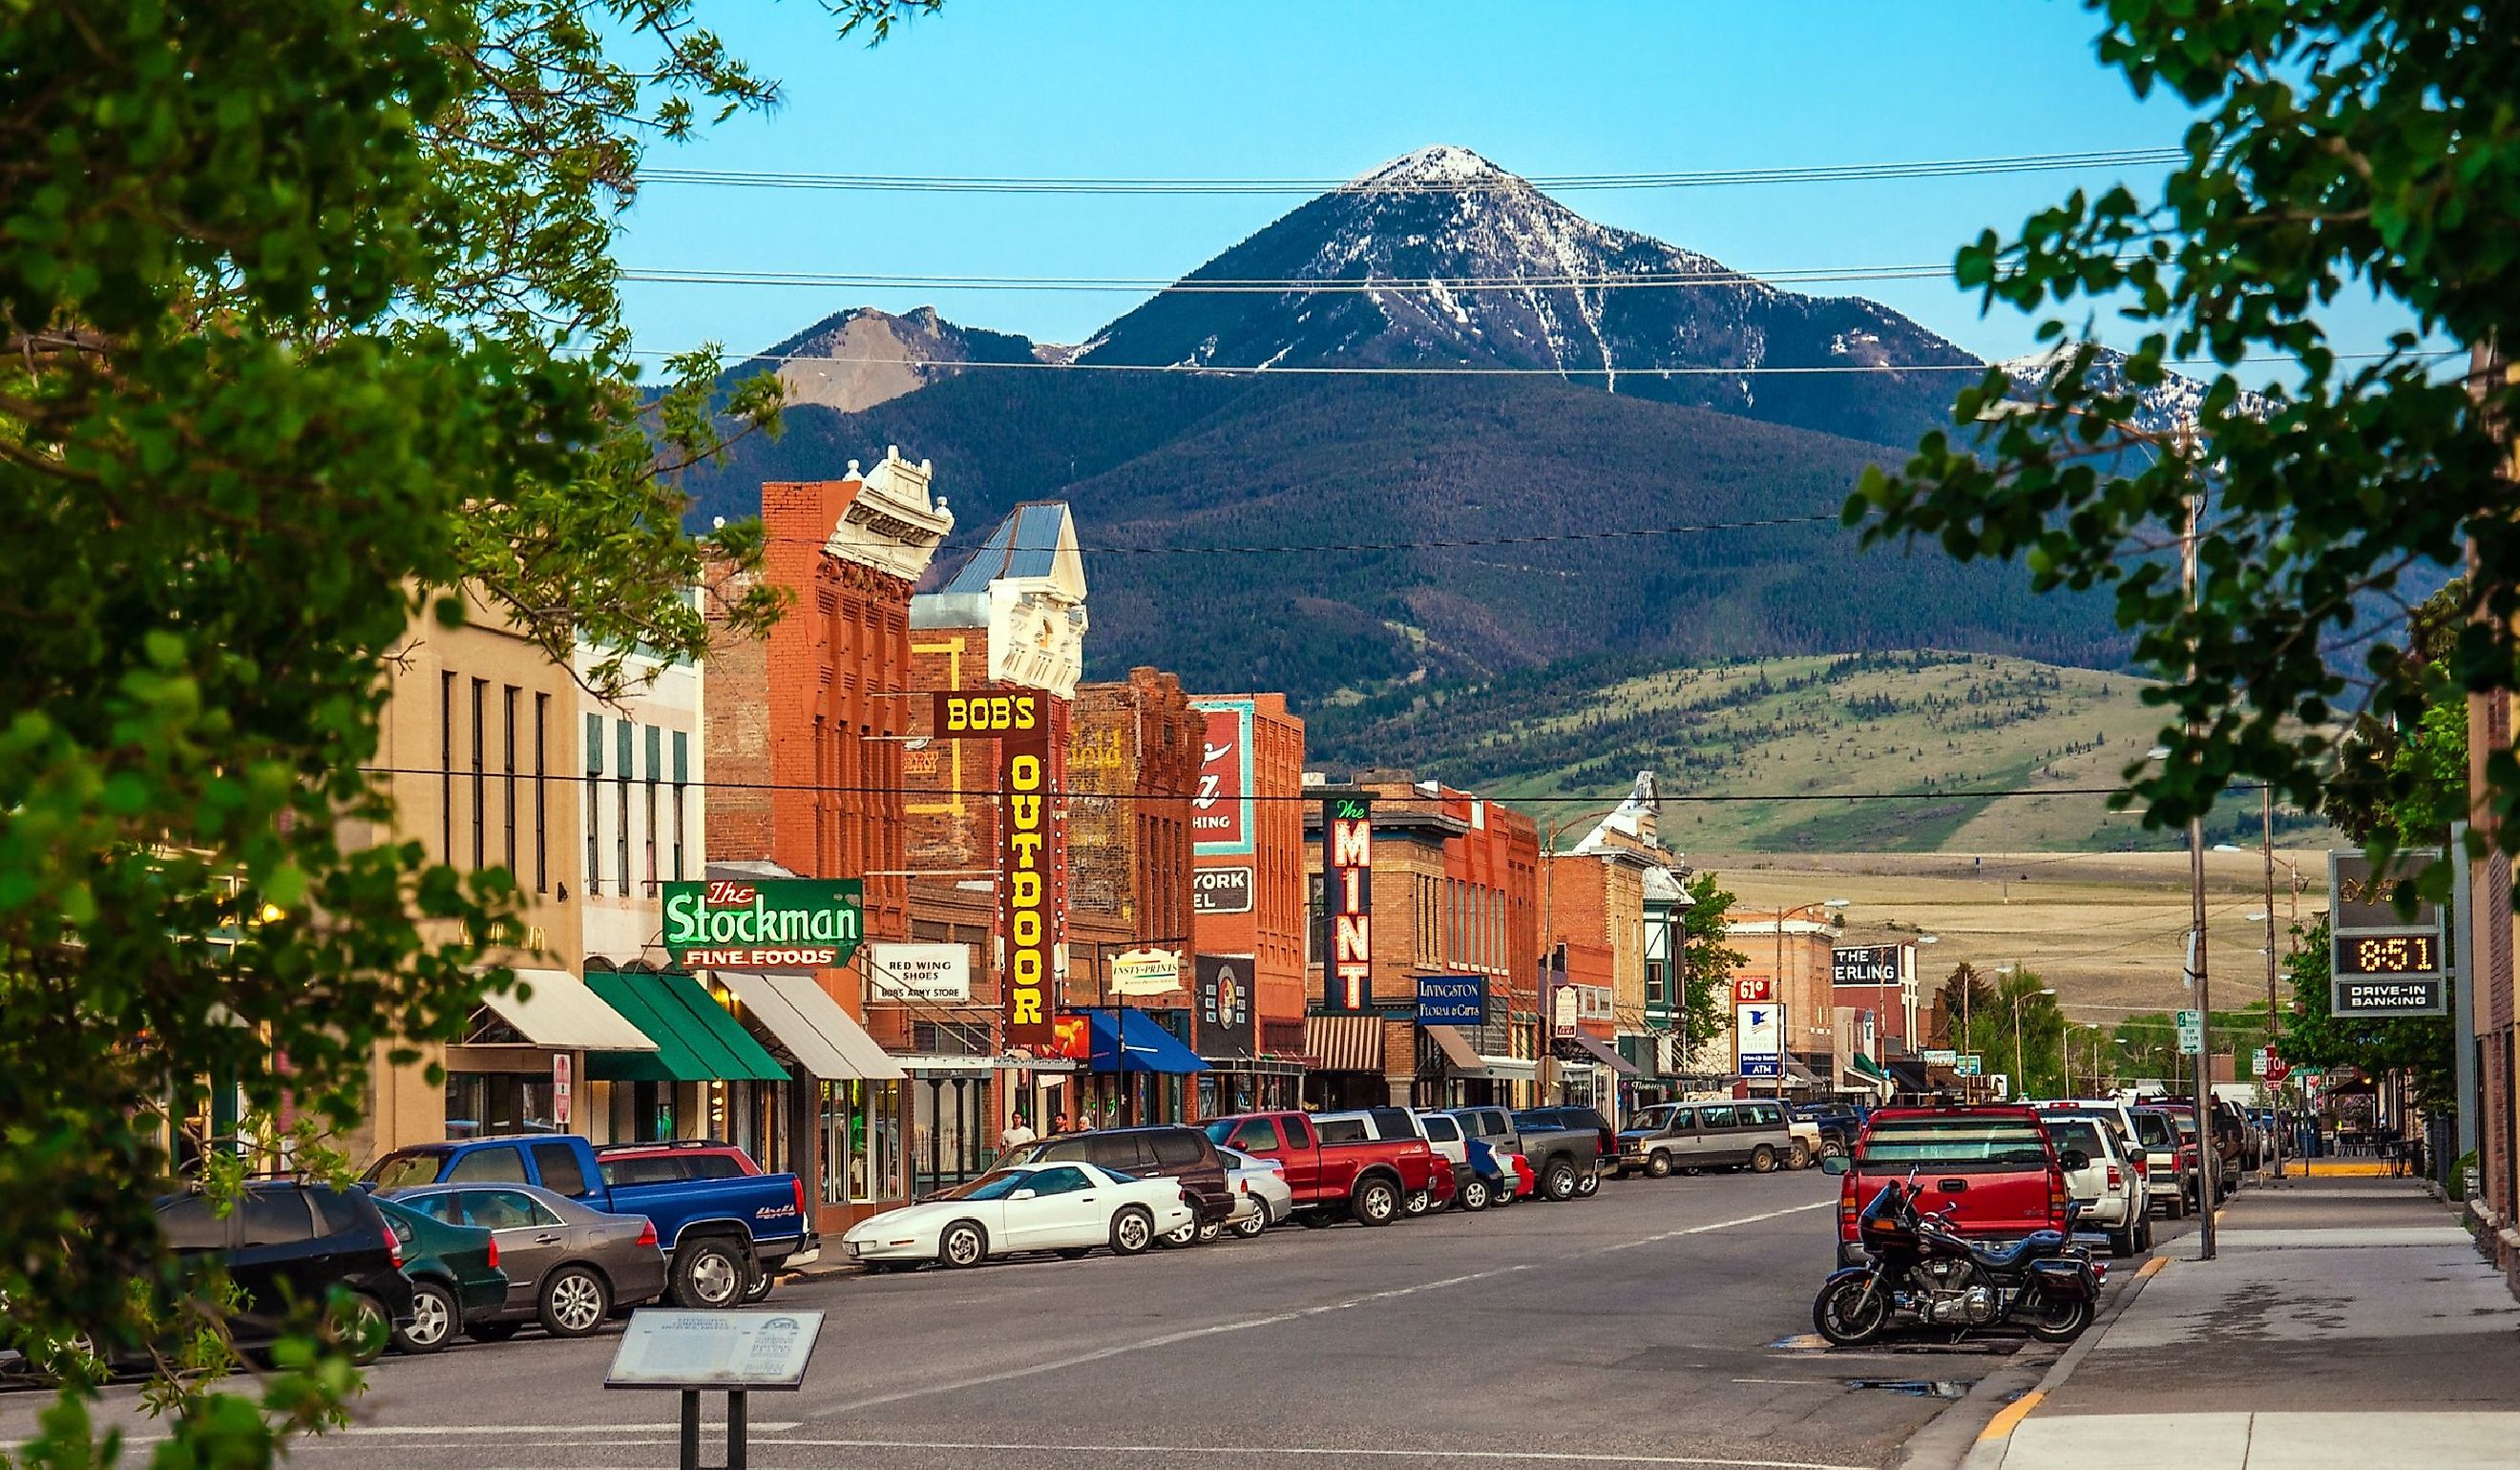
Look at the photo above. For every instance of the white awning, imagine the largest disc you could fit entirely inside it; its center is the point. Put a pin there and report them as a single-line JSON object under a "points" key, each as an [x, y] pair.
{"points": [[560, 1011], [825, 1041]]}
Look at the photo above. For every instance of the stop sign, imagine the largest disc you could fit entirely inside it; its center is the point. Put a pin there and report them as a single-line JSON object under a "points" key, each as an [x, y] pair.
{"points": [[2276, 1068]]}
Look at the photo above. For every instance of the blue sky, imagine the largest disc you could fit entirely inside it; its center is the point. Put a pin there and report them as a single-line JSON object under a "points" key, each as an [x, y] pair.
{"points": [[1132, 87]]}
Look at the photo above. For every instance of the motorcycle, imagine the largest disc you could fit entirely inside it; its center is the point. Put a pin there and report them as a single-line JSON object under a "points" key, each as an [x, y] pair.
{"points": [[1924, 1274]]}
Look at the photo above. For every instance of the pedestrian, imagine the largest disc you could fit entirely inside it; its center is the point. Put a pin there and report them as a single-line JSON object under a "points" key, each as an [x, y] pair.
{"points": [[1059, 1123], [1017, 1135]]}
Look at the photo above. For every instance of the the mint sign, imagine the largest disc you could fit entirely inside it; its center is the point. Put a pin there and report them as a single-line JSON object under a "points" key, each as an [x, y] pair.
{"points": [[765, 923]]}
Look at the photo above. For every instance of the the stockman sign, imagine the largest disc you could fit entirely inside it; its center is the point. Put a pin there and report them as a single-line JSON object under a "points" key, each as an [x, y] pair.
{"points": [[763, 923]]}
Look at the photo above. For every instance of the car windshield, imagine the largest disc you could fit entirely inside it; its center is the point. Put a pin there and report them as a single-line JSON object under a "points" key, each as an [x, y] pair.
{"points": [[2079, 1133], [404, 1170], [1650, 1119], [997, 1186], [1953, 1143]]}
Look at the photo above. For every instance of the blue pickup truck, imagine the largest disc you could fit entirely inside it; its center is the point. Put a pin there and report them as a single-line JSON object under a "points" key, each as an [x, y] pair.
{"points": [[724, 1237]]}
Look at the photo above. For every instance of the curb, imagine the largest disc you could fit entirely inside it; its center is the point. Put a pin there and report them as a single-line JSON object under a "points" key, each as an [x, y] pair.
{"points": [[1976, 1433]]}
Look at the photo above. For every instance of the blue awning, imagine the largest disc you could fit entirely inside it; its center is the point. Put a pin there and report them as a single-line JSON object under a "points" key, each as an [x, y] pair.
{"points": [[1147, 1048]]}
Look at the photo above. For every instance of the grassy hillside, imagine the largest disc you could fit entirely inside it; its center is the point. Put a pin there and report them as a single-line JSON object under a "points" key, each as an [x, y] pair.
{"points": [[1799, 726]]}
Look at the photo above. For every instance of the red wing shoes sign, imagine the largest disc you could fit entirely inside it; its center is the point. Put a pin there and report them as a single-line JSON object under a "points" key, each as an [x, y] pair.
{"points": [[764, 923]]}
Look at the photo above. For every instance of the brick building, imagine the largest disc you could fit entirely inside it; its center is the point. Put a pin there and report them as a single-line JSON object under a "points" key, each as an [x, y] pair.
{"points": [[1248, 847], [1793, 953], [1011, 615], [1456, 892], [804, 731]]}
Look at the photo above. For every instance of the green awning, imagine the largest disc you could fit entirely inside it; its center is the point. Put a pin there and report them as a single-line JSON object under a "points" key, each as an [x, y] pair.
{"points": [[1865, 1066], [697, 1040]]}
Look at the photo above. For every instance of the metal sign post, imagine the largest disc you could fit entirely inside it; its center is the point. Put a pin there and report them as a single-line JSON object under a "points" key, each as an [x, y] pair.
{"points": [[692, 1353]]}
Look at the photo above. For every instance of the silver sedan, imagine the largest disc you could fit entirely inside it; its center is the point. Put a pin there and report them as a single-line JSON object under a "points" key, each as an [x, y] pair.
{"points": [[1262, 1196], [569, 1266]]}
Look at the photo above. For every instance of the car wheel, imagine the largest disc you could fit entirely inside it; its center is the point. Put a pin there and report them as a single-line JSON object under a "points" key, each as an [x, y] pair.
{"points": [[365, 1327], [1588, 1184], [1559, 1182], [963, 1244], [492, 1332], [2122, 1241], [1187, 1235], [1133, 1230], [1075, 1252], [1690, 1170], [1376, 1202], [1256, 1225], [1658, 1166], [1763, 1160], [1210, 1231], [1801, 1157], [1474, 1195], [758, 1289], [710, 1273], [1314, 1220], [1504, 1194], [574, 1302], [433, 1315], [1419, 1202]]}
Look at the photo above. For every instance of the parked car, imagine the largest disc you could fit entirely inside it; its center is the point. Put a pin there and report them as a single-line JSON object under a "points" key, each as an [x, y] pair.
{"points": [[1161, 1152], [283, 1243], [2111, 1181], [1559, 1156], [1333, 1170], [1261, 1196], [1067, 1206], [1394, 1124], [1692, 1137], [2151, 1142], [1993, 1165], [568, 1265], [2229, 1142], [1838, 1122], [1443, 1134], [1606, 1153], [723, 1237], [454, 1273]]}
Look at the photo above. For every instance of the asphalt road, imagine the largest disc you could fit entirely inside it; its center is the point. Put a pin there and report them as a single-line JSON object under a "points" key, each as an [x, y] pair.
{"points": [[1654, 1324]]}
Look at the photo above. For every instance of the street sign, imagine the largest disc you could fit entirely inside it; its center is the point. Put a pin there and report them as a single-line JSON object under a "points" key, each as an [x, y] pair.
{"points": [[2002, 1086], [1941, 1056], [2380, 963], [2266, 1064], [2192, 1032], [1758, 1033], [664, 1349], [1969, 1064]]}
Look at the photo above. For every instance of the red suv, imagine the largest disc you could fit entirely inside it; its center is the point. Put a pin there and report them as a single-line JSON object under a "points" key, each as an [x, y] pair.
{"points": [[1995, 1166]]}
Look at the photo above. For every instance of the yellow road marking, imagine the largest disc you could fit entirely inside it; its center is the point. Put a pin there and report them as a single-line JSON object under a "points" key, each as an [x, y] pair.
{"points": [[2152, 1268], [2010, 1415]]}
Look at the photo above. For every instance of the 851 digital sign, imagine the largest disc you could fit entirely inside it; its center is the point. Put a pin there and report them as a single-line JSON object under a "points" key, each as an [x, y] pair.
{"points": [[2389, 955]]}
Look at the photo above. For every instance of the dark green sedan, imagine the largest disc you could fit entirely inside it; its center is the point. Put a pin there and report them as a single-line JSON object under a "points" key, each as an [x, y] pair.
{"points": [[454, 1273]]}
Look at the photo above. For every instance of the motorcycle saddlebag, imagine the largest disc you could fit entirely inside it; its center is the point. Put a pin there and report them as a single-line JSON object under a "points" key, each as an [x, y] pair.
{"points": [[2062, 1280]]}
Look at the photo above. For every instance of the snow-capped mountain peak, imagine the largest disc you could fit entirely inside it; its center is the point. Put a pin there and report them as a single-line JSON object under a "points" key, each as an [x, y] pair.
{"points": [[1438, 166], [2164, 408]]}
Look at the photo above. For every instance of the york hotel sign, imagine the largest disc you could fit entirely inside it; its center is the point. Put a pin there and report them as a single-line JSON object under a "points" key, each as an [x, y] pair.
{"points": [[763, 924]]}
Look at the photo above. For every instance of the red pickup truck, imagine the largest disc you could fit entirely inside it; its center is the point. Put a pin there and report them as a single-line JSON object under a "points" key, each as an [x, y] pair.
{"points": [[1995, 1166], [1370, 1179]]}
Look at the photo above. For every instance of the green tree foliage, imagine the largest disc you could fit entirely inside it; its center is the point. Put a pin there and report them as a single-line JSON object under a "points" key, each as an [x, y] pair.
{"points": [[2344, 144], [308, 317], [2424, 1048], [1707, 958]]}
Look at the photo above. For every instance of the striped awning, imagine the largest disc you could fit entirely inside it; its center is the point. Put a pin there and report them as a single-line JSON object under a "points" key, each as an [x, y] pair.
{"points": [[1345, 1043]]}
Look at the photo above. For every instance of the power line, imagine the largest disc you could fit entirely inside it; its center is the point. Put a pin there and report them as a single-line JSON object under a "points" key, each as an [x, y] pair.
{"points": [[926, 794], [1495, 182], [1712, 277], [1632, 533], [1395, 370]]}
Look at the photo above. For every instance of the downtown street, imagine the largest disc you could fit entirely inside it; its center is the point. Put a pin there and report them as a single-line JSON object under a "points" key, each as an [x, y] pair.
{"points": [[1660, 1323]]}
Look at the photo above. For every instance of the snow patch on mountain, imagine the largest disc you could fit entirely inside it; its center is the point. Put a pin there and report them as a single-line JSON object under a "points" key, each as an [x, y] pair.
{"points": [[2163, 408]]}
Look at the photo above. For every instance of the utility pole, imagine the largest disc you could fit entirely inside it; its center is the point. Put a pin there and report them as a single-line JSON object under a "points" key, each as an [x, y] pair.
{"points": [[2204, 1094], [2274, 1016], [1547, 1052]]}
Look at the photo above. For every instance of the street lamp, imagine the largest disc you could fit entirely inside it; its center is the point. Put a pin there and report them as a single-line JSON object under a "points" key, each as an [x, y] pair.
{"points": [[1835, 905]]}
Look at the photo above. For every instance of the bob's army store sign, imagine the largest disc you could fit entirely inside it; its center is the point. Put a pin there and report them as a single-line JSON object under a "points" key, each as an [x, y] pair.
{"points": [[2382, 962]]}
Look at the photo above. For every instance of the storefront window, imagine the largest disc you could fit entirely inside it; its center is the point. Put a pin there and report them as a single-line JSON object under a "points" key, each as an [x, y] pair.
{"points": [[861, 1142], [497, 1102], [950, 1135]]}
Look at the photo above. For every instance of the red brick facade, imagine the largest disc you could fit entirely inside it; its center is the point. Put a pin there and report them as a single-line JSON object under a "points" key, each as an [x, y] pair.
{"points": [[1272, 933], [1133, 760]]}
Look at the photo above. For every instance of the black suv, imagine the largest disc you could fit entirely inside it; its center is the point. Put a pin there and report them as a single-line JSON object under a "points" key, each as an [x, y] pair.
{"points": [[1149, 1153], [1577, 1119], [283, 1243]]}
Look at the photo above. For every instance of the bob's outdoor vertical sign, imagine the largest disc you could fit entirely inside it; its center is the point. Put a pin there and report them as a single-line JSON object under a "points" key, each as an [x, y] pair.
{"points": [[1019, 720], [763, 923], [1347, 899]]}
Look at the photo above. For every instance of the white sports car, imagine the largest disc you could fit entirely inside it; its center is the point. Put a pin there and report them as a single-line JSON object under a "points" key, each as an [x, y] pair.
{"points": [[1261, 1195], [1065, 1207]]}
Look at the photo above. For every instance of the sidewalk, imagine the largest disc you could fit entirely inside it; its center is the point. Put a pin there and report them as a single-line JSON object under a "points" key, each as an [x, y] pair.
{"points": [[2349, 1321]]}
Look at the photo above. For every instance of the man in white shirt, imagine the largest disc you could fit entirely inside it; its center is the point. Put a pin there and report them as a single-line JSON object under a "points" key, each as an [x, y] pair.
{"points": [[1017, 1135]]}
